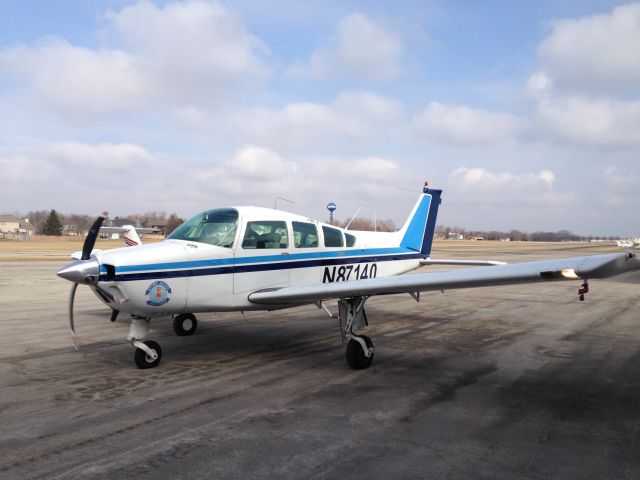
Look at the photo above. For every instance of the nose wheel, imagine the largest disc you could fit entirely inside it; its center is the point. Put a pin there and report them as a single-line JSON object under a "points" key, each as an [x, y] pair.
{"points": [[148, 354]]}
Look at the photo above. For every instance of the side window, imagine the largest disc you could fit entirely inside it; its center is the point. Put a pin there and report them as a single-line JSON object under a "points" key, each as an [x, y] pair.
{"points": [[332, 237], [265, 234], [351, 240], [305, 235]]}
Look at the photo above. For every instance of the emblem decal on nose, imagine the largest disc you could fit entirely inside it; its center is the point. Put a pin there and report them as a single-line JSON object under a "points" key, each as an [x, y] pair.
{"points": [[158, 293]]}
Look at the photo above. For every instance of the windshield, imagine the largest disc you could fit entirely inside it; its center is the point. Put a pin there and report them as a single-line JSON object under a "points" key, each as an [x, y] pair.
{"points": [[215, 227]]}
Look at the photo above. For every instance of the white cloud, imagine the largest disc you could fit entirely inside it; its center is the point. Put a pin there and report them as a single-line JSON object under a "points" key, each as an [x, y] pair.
{"points": [[584, 120], [596, 52], [480, 186], [193, 52], [78, 79], [476, 179], [103, 156], [460, 124], [353, 116], [261, 163], [377, 169], [360, 49], [539, 85], [622, 187]]}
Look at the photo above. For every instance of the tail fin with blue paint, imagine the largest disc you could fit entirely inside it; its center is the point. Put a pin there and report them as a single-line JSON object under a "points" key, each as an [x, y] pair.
{"points": [[417, 232]]}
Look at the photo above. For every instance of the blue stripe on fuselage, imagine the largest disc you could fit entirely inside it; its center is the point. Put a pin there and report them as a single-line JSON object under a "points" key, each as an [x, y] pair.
{"points": [[259, 263]]}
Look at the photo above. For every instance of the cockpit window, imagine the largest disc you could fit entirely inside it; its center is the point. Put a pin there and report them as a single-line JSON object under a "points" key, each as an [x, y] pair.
{"points": [[215, 227], [266, 234]]}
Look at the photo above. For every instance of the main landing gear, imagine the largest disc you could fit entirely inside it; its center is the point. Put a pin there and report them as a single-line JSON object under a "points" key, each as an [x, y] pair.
{"points": [[185, 324], [149, 353], [352, 318]]}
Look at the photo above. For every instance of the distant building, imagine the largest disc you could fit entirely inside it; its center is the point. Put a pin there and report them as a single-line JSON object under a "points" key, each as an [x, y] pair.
{"points": [[121, 222], [159, 225], [477, 238], [455, 236], [9, 224], [26, 228]]}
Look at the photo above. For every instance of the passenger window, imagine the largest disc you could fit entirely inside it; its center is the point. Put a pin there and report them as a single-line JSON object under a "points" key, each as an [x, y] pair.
{"points": [[265, 235], [305, 235], [351, 240], [332, 237]]}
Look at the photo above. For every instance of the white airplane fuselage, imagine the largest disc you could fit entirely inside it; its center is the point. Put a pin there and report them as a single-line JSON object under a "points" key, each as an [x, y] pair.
{"points": [[181, 275]]}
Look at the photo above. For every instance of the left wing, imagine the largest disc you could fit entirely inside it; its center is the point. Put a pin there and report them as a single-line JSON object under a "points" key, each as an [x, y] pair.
{"points": [[576, 268]]}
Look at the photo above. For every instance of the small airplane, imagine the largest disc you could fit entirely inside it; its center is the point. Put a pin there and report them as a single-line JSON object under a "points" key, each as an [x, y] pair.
{"points": [[250, 258], [129, 235], [629, 243]]}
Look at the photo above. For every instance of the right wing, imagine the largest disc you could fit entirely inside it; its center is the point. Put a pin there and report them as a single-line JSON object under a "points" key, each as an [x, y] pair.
{"points": [[576, 268]]}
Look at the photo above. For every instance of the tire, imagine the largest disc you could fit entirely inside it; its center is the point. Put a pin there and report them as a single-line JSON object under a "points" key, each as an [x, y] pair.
{"points": [[185, 324], [355, 354], [143, 360]]}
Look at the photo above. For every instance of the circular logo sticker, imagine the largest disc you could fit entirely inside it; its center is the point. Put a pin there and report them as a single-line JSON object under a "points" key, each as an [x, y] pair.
{"points": [[158, 293]]}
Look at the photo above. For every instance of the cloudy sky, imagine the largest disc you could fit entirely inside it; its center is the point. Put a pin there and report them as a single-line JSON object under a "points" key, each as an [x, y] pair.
{"points": [[527, 114]]}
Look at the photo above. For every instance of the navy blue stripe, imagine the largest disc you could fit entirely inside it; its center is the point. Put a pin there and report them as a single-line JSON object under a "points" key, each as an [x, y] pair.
{"points": [[260, 267], [430, 227]]}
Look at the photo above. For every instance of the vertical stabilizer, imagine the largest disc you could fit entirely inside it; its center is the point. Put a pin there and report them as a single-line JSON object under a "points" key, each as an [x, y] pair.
{"points": [[131, 237], [417, 233]]}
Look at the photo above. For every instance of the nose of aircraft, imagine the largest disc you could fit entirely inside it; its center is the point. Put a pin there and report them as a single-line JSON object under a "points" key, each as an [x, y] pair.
{"points": [[82, 271]]}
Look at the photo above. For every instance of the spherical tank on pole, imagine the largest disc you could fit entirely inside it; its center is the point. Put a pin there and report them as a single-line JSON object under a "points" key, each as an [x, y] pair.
{"points": [[332, 208]]}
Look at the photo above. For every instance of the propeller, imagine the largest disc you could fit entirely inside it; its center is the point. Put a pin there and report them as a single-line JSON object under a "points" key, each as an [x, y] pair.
{"points": [[86, 270], [92, 236]]}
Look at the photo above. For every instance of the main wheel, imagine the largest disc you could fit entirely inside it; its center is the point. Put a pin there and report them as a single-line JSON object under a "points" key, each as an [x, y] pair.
{"points": [[145, 361], [355, 354], [185, 324]]}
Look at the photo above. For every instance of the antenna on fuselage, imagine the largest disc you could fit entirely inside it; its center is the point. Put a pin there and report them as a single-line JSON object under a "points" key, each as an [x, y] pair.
{"points": [[275, 204], [353, 218]]}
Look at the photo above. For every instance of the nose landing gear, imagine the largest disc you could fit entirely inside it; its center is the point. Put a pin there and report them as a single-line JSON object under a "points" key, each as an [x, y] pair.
{"points": [[148, 353], [148, 357]]}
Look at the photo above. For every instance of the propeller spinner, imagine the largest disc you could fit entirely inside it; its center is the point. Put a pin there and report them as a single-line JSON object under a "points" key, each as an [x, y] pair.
{"points": [[85, 271]]}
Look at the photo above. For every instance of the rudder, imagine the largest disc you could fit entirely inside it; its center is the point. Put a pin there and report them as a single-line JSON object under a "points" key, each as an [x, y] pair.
{"points": [[419, 229]]}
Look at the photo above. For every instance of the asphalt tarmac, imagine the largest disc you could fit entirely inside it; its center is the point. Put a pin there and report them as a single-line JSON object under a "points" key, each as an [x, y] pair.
{"points": [[509, 382]]}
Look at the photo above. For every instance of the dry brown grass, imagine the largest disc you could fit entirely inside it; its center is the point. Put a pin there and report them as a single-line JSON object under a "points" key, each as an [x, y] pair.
{"points": [[52, 248]]}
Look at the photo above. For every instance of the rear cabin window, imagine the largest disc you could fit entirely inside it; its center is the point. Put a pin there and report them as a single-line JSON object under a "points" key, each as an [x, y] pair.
{"points": [[351, 240], [265, 234], [332, 237], [305, 235]]}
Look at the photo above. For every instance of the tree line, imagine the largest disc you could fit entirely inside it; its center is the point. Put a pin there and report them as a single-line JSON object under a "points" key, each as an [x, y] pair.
{"points": [[53, 223], [519, 236]]}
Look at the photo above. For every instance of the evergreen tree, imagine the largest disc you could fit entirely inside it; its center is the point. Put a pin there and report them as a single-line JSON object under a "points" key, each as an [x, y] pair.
{"points": [[52, 225], [172, 223]]}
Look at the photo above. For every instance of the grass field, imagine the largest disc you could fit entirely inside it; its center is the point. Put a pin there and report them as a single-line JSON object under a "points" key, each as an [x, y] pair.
{"points": [[53, 248]]}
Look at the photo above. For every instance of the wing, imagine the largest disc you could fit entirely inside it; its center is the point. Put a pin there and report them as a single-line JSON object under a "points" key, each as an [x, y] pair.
{"points": [[576, 268]]}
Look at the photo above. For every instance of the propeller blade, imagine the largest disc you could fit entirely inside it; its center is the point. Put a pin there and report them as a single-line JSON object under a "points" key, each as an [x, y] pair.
{"points": [[92, 236], [74, 338]]}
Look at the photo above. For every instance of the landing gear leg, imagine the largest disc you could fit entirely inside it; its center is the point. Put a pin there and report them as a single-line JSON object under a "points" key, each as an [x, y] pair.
{"points": [[352, 318], [149, 353]]}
